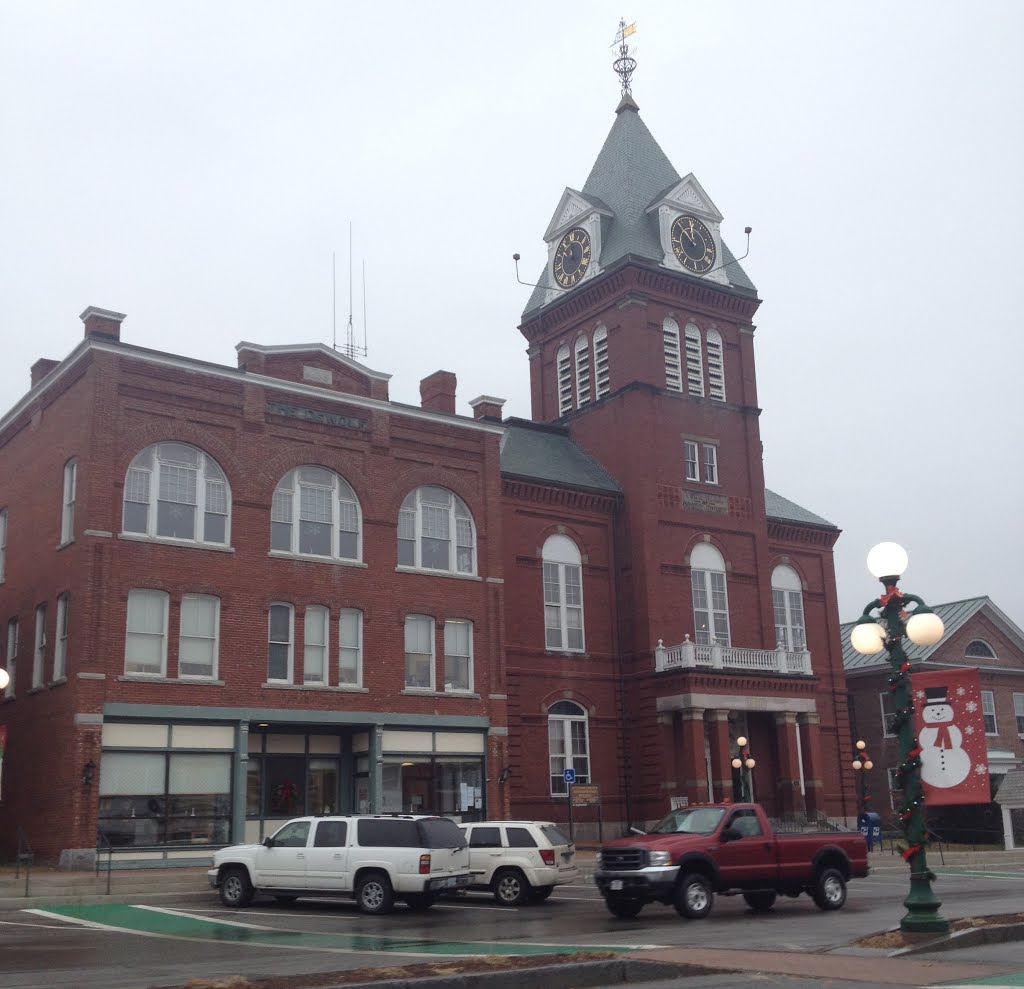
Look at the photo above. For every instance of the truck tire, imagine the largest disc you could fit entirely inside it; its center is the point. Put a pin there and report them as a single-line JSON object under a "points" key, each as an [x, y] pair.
{"points": [[693, 897], [418, 902], [235, 888], [760, 900], [626, 909], [510, 887], [374, 893], [829, 891]]}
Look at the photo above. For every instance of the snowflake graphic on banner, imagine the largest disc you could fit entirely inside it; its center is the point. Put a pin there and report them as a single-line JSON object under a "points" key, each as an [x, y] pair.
{"points": [[960, 691], [971, 706], [969, 729], [919, 694], [981, 770]]}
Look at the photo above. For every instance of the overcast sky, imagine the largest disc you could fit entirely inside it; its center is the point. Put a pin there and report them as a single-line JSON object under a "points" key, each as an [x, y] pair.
{"points": [[195, 164]]}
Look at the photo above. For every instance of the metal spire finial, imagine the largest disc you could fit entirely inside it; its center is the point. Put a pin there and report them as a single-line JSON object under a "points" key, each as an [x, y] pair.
{"points": [[624, 65]]}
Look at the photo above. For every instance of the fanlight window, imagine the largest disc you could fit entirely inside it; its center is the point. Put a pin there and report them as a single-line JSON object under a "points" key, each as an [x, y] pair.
{"points": [[568, 745], [316, 513], [979, 649], [436, 532]]}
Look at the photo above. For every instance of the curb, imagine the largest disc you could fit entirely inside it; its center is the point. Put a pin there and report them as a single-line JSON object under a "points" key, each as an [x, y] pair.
{"points": [[972, 937]]}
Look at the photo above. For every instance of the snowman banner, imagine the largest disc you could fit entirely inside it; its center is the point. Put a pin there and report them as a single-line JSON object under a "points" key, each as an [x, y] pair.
{"points": [[951, 734]]}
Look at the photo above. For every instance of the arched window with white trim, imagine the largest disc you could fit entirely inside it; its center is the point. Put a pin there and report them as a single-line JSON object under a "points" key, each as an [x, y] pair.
{"points": [[710, 597], [694, 362], [564, 364], [176, 491], [436, 532], [563, 594], [716, 366], [582, 370], [601, 369], [673, 370], [979, 649], [788, 606], [568, 745], [315, 512]]}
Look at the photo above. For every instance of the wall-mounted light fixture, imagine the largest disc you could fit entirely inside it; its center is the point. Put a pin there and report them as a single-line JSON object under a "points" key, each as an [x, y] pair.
{"points": [[88, 772], [505, 774]]}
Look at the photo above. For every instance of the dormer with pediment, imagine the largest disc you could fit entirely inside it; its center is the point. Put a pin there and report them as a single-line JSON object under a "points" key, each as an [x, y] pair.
{"points": [[313, 364], [681, 244], [573, 238]]}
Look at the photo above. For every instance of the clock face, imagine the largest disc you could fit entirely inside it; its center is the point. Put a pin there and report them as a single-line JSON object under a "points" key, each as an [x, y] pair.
{"points": [[693, 244], [572, 257]]}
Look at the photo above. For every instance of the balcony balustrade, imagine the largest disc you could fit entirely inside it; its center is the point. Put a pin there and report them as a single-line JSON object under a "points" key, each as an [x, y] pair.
{"points": [[715, 656]]}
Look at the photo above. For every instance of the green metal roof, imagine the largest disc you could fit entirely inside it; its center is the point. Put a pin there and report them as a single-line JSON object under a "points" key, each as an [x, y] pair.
{"points": [[546, 453], [777, 507]]}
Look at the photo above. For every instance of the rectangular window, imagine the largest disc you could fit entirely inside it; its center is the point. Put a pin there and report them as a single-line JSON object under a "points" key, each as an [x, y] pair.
{"points": [[690, 459], [281, 520], [316, 519], [176, 498], [788, 607], [673, 372], [39, 656], [198, 643], [60, 650], [419, 652], [710, 463], [145, 647], [582, 372], [314, 659], [1018, 711], [888, 702], [67, 518], [458, 655], [988, 709], [563, 606], [12, 655], [350, 648], [279, 653], [601, 379]]}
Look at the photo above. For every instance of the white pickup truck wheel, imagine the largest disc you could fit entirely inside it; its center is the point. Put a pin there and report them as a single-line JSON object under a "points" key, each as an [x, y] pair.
{"points": [[374, 893], [694, 897], [235, 888]]}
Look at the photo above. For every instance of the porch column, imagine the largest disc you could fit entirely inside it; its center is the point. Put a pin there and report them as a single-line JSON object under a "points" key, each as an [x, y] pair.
{"points": [[241, 782], [376, 760], [789, 764], [695, 777], [670, 743], [721, 757], [810, 742]]}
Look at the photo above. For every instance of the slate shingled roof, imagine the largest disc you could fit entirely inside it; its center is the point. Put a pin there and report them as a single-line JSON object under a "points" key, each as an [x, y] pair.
{"points": [[1011, 789], [546, 453]]}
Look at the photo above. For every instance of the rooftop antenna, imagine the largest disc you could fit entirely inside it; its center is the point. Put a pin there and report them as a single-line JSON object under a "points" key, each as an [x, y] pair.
{"points": [[624, 65], [352, 349]]}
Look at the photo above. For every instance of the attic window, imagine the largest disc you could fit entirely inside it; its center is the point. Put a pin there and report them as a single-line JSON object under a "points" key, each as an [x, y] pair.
{"points": [[977, 649]]}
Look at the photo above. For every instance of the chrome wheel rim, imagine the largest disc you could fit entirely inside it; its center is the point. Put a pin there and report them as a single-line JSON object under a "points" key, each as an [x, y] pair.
{"points": [[509, 889], [232, 889], [373, 895], [696, 896], [833, 890]]}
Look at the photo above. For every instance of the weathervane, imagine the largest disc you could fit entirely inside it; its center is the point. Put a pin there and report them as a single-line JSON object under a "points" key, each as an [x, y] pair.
{"points": [[624, 65]]}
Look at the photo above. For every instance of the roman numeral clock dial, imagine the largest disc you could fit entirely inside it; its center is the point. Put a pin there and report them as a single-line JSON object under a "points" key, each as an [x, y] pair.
{"points": [[693, 244], [572, 257]]}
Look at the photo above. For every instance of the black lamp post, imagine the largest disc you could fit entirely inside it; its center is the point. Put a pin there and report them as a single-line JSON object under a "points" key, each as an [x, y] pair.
{"points": [[744, 761], [862, 763], [885, 630]]}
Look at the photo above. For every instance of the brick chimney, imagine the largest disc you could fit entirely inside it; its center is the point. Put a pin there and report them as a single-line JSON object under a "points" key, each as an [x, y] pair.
{"points": [[41, 369], [102, 323], [487, 407], [437, 392]]}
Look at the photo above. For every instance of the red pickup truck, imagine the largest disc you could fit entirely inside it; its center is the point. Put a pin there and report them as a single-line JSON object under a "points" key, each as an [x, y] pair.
{"points": [[698, 851]]}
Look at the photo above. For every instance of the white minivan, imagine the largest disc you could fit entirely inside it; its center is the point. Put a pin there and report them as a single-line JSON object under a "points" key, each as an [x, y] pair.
{"points": [[519, 861]]}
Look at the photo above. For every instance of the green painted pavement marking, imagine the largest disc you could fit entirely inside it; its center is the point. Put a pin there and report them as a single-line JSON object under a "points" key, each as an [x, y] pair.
{"points": [[160, 923]]}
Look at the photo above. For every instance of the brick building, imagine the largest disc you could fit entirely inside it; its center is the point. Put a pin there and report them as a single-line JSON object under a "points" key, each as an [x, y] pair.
{"points": [[236, 593]]}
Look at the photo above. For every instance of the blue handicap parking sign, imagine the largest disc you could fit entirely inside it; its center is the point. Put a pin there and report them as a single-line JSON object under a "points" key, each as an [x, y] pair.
{"points": [[570, 775]]}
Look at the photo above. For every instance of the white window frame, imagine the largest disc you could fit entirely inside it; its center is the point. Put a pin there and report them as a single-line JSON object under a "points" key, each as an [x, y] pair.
{"points": [[710, 452], [986, 653], [67, 515], [563, 581], [147, 471], [691, 461], [39, 653], [412, 523], [353, 619], [694, 361], [563, 363], [60, 648], [12, 655], [3, 543], [453, 628], [716, 365], [707, 579], [287, 510], [422, 628], [563, 747], [788, 609], [673, 358], [187, 600], [1018, 713], [582, 358], [602, 375], [320, 615], [988, 710], [290, 673], [887, 716], [139, 594]]}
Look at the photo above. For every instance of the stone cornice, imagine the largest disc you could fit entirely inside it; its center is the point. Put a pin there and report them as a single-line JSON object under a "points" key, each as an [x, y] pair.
{"points": [[523, 489], [794, 532]]}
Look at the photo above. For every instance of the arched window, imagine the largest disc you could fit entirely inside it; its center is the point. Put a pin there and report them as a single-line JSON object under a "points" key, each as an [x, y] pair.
{"points": [[564, 381], [436, 532], [710, 599], [601, 376], [582, 371], [568, 745], [175, 491], [716, 366], [563, 595], [316, 513], [788, 605], [673, 371], [979, 649], [694, 362]]}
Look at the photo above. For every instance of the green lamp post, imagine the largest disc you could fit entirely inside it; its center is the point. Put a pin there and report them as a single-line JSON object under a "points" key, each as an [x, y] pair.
{"points": [[882, 626]]}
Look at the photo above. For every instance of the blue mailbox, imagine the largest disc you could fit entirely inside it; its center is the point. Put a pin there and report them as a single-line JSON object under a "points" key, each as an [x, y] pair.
{"points": [[870, 825]]}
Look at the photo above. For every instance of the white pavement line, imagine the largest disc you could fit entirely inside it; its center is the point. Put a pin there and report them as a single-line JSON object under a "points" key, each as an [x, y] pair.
{"points": [[976, 985], [196, 916], [34, 927]]}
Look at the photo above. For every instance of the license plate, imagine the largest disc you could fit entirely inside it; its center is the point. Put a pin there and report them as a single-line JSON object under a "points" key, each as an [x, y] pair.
{"points": [[615, 884]]}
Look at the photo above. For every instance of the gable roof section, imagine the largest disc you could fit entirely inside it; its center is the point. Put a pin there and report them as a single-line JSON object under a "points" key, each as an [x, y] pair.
{"points": [[1011, 789], [543, 453], [954, 615], [777, 507]]}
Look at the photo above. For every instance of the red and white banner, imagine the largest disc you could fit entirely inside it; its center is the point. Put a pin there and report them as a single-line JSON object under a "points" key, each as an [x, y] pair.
{"points": [[950, 729]]}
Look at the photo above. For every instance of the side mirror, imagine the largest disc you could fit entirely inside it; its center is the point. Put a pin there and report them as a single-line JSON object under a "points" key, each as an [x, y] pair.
{"points": [[268, 842], [731, 834]]}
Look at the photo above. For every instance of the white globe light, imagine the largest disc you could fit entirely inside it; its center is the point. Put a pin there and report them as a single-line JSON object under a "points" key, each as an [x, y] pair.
{"points": [[887, 560], [867, 638], [751, 764], [736, 764], [856, 763], [741, 741], [869, 764], [925, 629], [4, 679], [861, 744]]}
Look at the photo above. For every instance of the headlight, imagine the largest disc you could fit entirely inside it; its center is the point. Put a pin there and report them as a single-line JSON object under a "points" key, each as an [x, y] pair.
{"points": [[598, 860], [660, 858]]}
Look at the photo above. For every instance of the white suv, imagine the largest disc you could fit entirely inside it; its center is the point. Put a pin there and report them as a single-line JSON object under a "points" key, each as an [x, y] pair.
{"points": [[374, 858], [519, 860]]}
